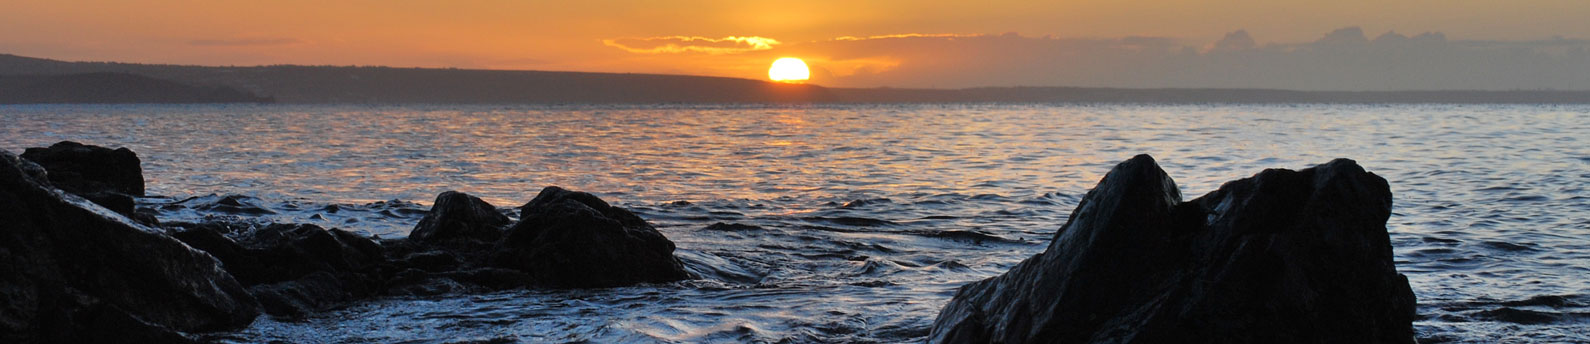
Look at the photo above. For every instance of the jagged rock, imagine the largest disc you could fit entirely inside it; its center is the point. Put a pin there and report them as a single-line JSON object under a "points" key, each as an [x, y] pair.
{"points": [[75, 272], [1281, 257], [567, 239], [293, 269], [457, 216]]}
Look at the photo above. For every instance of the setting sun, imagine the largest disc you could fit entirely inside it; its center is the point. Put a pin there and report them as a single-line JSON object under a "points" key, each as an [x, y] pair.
{"points": [[789, 69]]}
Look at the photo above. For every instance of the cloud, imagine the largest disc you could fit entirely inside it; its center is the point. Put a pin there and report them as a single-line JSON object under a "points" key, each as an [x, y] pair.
{"points": [[692, 44], [905, 35], [243, 42], [1344, 36], [1236, 40], [1343, 59]]}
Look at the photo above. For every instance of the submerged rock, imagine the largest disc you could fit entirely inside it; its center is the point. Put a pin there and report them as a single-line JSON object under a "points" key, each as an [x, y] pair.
{"points": [[457, 216], [568, 239], [1281, 257], [75, 272], [293, 269]]}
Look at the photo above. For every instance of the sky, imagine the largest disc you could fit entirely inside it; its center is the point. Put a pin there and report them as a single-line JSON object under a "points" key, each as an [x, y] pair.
{"points": [[1305, 44]]}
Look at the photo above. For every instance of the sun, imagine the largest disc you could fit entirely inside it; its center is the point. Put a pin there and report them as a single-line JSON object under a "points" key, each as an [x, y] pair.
{"points": [[789, 69]]}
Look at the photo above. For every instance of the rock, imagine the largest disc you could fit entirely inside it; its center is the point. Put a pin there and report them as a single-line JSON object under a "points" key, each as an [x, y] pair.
{"points": [[294, 269], [80, 168], [317, 291], [1281, 257], [110, 178], [117, 202], [111, 324], [567, 239], [432, 261], [75, 272], [457, 216], [456, 266]]}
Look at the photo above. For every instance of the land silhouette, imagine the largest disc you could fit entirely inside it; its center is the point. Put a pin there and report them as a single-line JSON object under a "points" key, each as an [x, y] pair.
{"points": [[36, 80], [110, 88]]}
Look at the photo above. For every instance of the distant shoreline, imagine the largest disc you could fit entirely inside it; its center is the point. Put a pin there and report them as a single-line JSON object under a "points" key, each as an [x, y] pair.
{"points": [[112, 83]]}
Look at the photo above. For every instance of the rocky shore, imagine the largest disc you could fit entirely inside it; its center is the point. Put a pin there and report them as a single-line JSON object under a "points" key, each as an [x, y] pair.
{"points": [[82, 271], [1289, 256]]}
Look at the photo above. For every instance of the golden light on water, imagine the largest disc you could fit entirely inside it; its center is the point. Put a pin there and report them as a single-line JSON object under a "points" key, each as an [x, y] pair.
{"points": [[789, 69]]}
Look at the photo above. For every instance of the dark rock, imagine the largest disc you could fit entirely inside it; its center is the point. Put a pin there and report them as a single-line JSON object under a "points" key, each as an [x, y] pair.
{"points": [[433, 261], [80, 169], [27, 170], [122, 204], [230, 204], [110, 178], [414, 282], [74, 272], [457, 266], [117, 202], [460, 217], [567, 239], [293, 269], [111, 324], [317, 291], [1281, 257]]}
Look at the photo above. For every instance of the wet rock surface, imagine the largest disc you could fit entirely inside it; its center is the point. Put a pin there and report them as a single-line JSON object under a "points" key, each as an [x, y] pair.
{"points": [[570, 239], [456, 217], [293, 269], [1283, 256], [76, 272]]}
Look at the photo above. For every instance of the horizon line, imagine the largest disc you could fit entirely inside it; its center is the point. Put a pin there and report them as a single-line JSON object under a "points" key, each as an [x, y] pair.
{"points": [[904, 88]]}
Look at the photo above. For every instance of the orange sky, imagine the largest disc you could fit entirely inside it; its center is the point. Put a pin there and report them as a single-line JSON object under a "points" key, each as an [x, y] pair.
{"points": [[622, 36]]}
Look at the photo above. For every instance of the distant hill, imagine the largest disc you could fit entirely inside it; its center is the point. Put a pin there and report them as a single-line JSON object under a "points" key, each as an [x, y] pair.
{"points": [[332, 84], [327, 84], [112, 88]]}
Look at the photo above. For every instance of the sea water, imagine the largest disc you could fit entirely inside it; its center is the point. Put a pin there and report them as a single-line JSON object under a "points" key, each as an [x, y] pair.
{"points": [[857, 223]]}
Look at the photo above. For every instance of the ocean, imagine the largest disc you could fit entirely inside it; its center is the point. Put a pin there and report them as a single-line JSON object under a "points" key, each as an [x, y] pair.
{"points": [[860, 221]]}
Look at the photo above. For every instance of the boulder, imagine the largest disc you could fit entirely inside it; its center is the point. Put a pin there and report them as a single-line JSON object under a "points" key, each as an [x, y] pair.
{"points": [[80, 168], [457, 216], [568, 239], [1281, 257], [293, 269], [110, 178], [75, 272]]}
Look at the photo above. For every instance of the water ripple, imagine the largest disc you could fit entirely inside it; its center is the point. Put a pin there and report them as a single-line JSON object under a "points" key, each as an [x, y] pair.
{"points": [[853, 223]]}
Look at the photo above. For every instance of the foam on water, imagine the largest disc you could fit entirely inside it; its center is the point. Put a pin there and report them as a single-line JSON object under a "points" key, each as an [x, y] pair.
{"points": [[853, 223]]}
